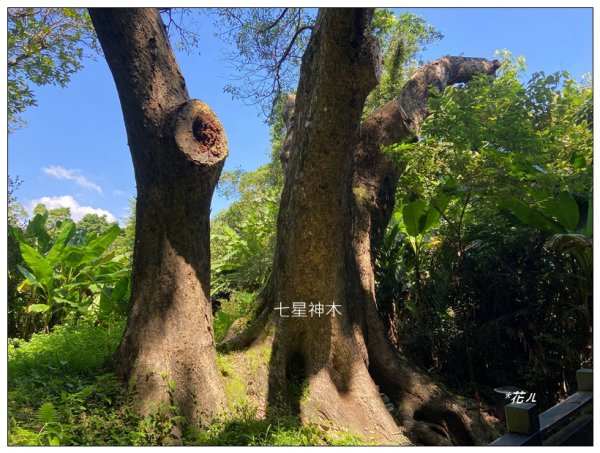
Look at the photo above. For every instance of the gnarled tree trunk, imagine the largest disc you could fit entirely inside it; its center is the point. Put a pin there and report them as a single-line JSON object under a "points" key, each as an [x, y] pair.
{"points": [[337, 200], [428, 413], [318, 364], [178, 149]]}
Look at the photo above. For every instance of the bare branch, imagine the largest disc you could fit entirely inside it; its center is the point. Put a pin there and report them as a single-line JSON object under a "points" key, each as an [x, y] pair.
{"points": [[291, 44], [275, 22], [401, 120], [268, 44], [404, 116]]}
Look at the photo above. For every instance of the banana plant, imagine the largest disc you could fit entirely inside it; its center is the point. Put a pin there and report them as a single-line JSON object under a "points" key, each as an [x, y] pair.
{"points": [[62, 278], [416, 219], [571, 231], [558, 215]]}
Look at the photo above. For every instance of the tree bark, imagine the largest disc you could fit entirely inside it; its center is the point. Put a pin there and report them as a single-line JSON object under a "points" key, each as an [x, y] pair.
{"points": [[318, 365], [178, 148], [337, 200]]}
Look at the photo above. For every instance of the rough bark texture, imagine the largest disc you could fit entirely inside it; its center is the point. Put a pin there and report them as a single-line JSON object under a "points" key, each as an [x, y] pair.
{"points": [[429, 414], [337, 200], [318, 365], [178, 149]]}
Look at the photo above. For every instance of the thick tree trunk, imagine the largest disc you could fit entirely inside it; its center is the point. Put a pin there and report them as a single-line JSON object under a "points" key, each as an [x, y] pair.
{"points": [[178, 149], [318, 365], [337, 201], [427, 413]]}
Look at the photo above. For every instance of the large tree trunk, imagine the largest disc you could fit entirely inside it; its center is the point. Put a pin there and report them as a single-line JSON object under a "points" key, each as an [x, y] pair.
{"points": [[337, 200], [178, 149], [427, 412], [319, 364]]}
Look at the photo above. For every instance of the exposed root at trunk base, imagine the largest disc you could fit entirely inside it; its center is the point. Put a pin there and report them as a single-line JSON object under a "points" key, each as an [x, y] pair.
{"points": [[236, 341], [257, 330], [426, 413], [343, 393], [429, 414], [359, 409]]}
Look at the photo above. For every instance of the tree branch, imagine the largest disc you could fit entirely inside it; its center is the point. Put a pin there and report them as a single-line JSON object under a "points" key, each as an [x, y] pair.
{"points": [[275, 22], [401, 120], [404, 116]]}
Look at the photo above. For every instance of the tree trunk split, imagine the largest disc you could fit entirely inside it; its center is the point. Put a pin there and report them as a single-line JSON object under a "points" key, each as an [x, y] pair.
{"points": [[324, 251]]}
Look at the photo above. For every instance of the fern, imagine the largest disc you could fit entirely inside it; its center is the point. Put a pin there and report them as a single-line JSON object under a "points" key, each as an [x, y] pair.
{"points": [[47, 414]]}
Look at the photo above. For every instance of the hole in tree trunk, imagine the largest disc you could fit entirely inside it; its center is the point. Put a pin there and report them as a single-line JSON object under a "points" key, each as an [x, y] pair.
{"points": [[206, 132], [297, 384]]}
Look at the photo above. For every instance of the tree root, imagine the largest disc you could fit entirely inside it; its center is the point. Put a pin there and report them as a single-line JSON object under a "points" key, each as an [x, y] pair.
{"points": [[244, 339], [429, 413], [236, 341]]}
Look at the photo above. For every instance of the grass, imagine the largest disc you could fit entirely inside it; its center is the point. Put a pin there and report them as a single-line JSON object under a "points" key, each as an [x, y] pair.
{"points": [[243, 428], [234, 308], [62, 391]]}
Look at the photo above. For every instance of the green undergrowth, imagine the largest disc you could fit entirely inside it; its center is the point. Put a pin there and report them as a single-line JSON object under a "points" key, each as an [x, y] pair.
{"points": [[62, 391], [236, 307], [243, 428]]}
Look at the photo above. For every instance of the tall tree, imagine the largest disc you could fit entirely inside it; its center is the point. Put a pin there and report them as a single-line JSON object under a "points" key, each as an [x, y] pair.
{"points": [[178, 148], [337, 199]]}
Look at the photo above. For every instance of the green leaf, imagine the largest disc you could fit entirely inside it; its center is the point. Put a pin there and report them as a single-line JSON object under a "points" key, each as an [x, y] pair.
{"points": [[431, 219], [106, 304], [65, 234], [530, 216], [16, 233], [66, 301], [29, 276], [47, 413], [38, 308], [39, 266], [97, 246], [563, 208], [538, 194], [411, 214], [72, 255], [120, 290], [411, 307], [588, 230], [578, 160], [36, 227]]}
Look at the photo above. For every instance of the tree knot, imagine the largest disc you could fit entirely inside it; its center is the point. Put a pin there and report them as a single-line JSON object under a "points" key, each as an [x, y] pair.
{"points": [[199, 133]]}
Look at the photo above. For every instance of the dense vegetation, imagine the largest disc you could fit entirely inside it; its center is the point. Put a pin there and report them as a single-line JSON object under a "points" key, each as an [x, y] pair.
{"points": [[483, 278]]}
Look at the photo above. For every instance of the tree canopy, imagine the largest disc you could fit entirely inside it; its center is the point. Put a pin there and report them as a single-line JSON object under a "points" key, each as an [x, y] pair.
{"points": [[44, 46]]}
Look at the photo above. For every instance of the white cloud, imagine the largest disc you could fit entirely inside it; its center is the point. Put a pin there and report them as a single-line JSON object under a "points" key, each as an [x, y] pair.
{"points": [[73, 175], [67, 201]]}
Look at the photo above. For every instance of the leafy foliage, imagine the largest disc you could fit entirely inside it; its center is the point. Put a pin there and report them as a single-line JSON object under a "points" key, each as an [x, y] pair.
{"points": [[494, 272], [402, 39], [45, 46], [68, 275], [247, 250], [243, 236]]}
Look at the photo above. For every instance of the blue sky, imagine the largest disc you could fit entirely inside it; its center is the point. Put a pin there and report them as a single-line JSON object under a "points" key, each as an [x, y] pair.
{"points": [[73, 152]]}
